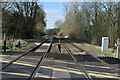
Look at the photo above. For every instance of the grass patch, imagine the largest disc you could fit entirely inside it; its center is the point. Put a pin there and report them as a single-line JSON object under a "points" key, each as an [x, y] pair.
{"points": [[108, 53], [12, 46]]}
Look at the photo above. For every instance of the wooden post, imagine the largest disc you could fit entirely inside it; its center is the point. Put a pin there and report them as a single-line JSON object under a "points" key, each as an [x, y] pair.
{"points": [[19, 44], [4, 43], [118, 48]]}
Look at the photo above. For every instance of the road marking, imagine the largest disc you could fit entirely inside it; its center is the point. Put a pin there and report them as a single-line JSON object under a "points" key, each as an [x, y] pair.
{"points": [[58, 69], [19, 63], [105, 76], [98, 66], [23, 58], [44, 76], [110, 74], [19, 74], [41, 75], [64, 70]]}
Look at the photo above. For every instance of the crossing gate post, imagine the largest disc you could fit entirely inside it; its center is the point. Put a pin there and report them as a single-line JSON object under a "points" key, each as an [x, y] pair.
{"points": [[118, 48]]}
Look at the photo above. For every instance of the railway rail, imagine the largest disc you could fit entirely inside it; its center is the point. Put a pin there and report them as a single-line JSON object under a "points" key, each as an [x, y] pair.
{"points": [[32, 50], [80, 65], [17, 55], [103, 62], [37, 63], [69, 62], [85, 70]]}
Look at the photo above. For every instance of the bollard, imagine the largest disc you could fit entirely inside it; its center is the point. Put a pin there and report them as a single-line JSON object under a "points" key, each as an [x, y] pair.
{"points": [[118, 48]]}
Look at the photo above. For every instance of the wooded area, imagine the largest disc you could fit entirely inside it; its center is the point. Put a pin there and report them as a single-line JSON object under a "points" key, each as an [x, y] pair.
{"points": [[22, 20], [90, 21], [86, 21]]}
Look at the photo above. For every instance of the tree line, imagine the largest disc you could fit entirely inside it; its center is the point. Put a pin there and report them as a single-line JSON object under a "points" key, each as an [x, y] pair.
{"points": [[22, 20], [90, 21]]}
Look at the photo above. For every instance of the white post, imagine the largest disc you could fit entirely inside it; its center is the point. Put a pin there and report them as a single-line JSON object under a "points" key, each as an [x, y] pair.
{"points": [[105, 41], [118, 48]]}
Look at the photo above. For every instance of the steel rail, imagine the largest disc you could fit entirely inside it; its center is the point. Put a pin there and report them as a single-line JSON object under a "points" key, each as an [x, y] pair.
{"points": [[33, 49], [107, 65], [80, 65], [39, 63]]}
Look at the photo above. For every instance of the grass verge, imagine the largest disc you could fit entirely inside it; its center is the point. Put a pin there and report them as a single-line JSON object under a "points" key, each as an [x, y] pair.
{"points": [[108, 53], [12, 46]]}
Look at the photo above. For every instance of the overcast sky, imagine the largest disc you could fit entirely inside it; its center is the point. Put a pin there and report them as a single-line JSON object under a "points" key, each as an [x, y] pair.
{"points": [[54, 11]]}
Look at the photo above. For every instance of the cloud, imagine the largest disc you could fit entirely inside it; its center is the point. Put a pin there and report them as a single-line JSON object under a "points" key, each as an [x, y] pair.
{"points": [[55, 10], [52, 16]]}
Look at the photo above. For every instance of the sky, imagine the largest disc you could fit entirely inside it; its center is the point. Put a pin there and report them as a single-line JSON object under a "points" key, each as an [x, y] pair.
{"points": [[54, 11]]}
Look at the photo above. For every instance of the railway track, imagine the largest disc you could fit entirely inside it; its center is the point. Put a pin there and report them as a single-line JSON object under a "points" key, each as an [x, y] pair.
{"points": [[103, 62], [13, 55], [32, 50], [21, 64], [80, 65], [38, 65], [53, 65], [83, 62]]}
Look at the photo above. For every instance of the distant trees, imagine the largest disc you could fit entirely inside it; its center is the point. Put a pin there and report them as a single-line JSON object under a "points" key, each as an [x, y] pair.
{"points": [[90, 21], [58, 23], [22, 19], [52, 31]]}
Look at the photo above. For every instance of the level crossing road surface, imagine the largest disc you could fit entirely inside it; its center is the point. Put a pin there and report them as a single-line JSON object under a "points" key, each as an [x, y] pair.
{"points": [[56, 66]]}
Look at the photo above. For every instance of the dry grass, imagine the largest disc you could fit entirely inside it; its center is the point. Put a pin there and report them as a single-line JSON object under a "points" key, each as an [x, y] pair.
{"points": [[12, 43], [98, 49]]}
